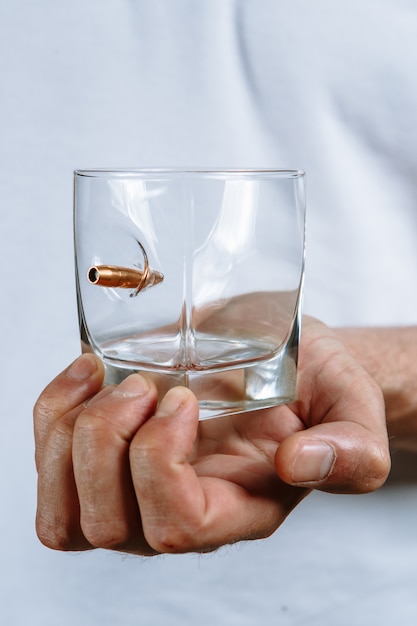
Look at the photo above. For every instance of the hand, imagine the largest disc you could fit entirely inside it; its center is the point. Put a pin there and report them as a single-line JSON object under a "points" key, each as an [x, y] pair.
{"points": [[389, 355], [118, 472]]}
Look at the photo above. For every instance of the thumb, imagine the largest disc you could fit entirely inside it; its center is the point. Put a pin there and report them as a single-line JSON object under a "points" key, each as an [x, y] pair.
{"points": [[334, 457]]}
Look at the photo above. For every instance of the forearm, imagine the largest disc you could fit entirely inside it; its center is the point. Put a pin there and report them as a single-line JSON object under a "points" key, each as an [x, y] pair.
{"points": [[390, 357]]}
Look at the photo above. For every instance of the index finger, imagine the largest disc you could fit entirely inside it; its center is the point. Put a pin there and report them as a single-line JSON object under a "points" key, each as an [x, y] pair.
{"points": [[78, 382]]}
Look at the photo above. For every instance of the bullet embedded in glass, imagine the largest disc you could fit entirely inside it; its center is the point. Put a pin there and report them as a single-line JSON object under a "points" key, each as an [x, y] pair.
{"points": [[123, 277]]}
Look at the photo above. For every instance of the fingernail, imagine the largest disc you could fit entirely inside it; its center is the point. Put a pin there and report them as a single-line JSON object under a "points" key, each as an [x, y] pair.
{"points": [[134, 385], [82, 368], [313, 462], [172, 402]]}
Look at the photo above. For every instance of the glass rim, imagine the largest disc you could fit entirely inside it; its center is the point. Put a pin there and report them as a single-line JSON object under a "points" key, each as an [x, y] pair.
{"points": [[187, 171]]}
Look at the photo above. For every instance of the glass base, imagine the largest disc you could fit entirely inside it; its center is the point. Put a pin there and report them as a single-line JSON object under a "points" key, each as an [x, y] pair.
{"points": [[246, 386]]}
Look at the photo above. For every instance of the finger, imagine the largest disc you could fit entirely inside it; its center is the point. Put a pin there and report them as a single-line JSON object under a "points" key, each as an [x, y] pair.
{"points": [[192, 503], [58, 510], [166, 486], [332, 386], [57, 515], [71, 388], [109, 514], [340, 455], [344, 446]]}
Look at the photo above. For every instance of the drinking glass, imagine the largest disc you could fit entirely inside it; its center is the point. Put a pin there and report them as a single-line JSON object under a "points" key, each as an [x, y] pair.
{"points": [[193, 277]]}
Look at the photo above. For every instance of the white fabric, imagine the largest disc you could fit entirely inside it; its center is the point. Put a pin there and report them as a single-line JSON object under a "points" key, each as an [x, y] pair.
{"points": [[321, 85]]}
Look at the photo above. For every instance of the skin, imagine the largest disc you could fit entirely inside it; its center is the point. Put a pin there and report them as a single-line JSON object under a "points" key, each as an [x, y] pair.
{"points": [[389, 355], [109, 479]]}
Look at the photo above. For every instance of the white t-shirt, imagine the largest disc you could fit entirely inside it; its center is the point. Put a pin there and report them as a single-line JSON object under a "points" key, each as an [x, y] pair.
{"points": [[323, 86]]}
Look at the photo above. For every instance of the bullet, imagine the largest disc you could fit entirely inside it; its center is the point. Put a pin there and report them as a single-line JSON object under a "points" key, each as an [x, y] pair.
{"points": [[123, 277]]}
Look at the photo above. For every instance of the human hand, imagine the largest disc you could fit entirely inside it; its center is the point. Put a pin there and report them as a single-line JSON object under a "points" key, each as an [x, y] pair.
{"points": [[117, 472], [389, 355]]}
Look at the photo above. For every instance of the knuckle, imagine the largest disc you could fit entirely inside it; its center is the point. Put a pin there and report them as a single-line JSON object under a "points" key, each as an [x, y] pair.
{"points": [[106, 535], [44, 409], [92, 421], [146, 452], [147, 460], [172, 542], [55, 444], [372, 468], [168, 537], [55, 534], [61, 433]]}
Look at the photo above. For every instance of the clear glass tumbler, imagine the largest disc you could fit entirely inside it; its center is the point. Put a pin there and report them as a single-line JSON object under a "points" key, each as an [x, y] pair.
{"points": [[194, 278]]}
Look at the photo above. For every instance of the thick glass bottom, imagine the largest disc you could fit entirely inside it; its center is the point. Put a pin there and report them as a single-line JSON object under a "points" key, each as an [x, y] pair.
{"points": [[261, 381]]}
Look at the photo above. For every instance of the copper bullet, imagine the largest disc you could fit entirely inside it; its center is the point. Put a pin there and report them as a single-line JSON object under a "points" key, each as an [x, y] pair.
{"points": [[123, 277]]}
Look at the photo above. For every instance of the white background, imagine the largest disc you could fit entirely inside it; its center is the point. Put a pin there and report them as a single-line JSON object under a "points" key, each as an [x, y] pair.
{"points": [[313, 85]]}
